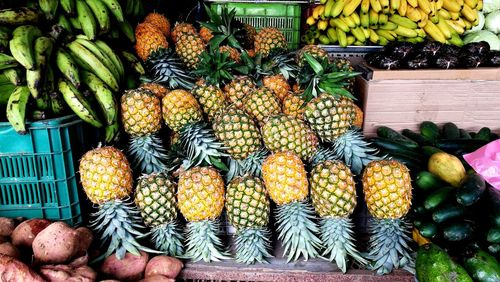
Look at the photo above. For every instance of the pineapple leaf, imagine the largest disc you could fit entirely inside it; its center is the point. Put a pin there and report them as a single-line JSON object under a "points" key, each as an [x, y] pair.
{"points": [[203, 242], [253, 245], [336, 91], [315, 65], [168, 238]]}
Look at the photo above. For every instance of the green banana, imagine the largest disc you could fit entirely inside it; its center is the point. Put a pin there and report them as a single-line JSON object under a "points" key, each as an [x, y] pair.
{"points": [[67, 66], [117, 62], [38, 115], [86, 19], [63, 22], [77, 103], [49, 84], [5, 91], [92, 47], [104, 96], [133, 62], [97, 67], [5, 32], [68, 6], [49, 8], [14, 76], [112, 132], [403, 21], [34, 78], [101, 14], [7, 62], [129, 7], [21, 45], [127, 29], [4, 44], [42, 102], [16, 108], [57, 103], [19, 16], [115, 8], [75, 23]]}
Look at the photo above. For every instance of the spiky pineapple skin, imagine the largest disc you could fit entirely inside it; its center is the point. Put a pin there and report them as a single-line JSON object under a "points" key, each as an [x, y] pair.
{"points": [[285, 178], [284, 133], [314, 50], [160, 22], [247, 204], [180, 28], [261, 104], [238, 89], [333, 191], [106, 175], [188, 47], [268, 39], [211, 99], [278, 84], [206, 34], [159, 90], [200, 194], [387, 188], [238, 132], [140, 112], [155, 198], [358, 121], [148, 39], [180, 108], [233, 53], [292, 105], [345, 65]]}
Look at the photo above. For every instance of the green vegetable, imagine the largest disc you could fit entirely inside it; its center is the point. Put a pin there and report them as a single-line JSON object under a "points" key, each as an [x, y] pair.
{"points": [[482, 267], [492, 22], [451, 131], [447, 213], [438, 197], [429, 130], [471, 190], [457, 231], [428, 230], [428, 181], [435, 265], [490, 6], [393, 135], [494, 235], [483, 35]]}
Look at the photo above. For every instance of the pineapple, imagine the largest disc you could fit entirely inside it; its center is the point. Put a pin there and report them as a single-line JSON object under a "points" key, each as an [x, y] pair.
{"points": [[345, 65], [233, 53], [286, 182], [206, 34], [387, 189], [358, 121], [188, 47], [211, 98], [247, 37], [314, 50], [284, 133], [333, 194], [159, 90], [180, 108], [292, 105], [223, 27], [354, 150], [180, 28], [200, 198], [278, 84], [107, 180], [268, 39], [251, 165], [166, 68], [160, 22], [261, 104], [155, 198], [238, 89], [148, 39], [248, 211], [141, 119]]}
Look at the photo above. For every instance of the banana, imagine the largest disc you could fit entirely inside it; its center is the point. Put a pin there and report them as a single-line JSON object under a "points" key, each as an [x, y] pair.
{"points": [[342, 37], [57, 103], [456, 40], [389, 26], [423, 18], [366, 32], [16, 108], [413, 14], [365, 6], [63, 22], [479, 6], [68, 6], [350, 40], [355, 17], [49, 8], [76, 101], [383, 19], [406, 32], [13, 75], [98, 68], [445, 29], [5, 92], [112, 132], [386, 34], [439, 5], [49, 84], [382, 41], [455, 15], [104, 96], [458, 28], [323, 39], [469, 13], [332, 35], [127, 29], [434, 32], [34, 78], [42, 102], [374, 38], [461, 22], [337, 8], [395, 4], [364, 19], [68, 67], [339, 23], [19, 16], [468, 25], [348, 21], [115, 8], [92, 47], [75, 23], [105, 49], [443, 14], [385, 4], [425, 6], [460, 2], [21, 45], [359, 34], [435, 19], [322, 25], [328, 8], [315, 12], [413, 3], [373, 17], [375, 5], [101, 14], [310, 21], [403, 21], [432, 3], [86, 19], [421, 33], [350, 7], [134, 62], [415, 40], [451, 6]]}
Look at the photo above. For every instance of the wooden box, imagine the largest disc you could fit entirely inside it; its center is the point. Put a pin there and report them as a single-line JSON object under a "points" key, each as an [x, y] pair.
{"points": [[404, 98]]}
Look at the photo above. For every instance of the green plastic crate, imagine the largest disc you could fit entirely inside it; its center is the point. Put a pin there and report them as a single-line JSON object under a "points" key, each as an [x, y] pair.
{"points": [[37, 170], [285, 16]]}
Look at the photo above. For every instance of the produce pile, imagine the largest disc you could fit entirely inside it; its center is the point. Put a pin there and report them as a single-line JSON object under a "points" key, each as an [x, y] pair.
{"points": [[453, 206], [60, 56], [488, 28], [379, 22]]}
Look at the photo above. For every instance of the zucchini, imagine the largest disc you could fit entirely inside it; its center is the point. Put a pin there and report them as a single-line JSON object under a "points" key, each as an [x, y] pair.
{"points": [[465, 145], [464, 134], [421, 140], [393, 135], [451, 131], [447, 213], [457, 231], [428, 230], [434, 264], [430, 150], [494, 235], [471, 190], [429, 130], [420, 210], [482, 267], [393, 146], [428, 181], [438, 197], [494, 249], [483, 134]]}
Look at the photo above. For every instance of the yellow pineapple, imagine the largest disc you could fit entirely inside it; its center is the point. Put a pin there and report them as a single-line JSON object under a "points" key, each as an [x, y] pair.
{"points": [[180, 108], [261, 104], [159, 90], [180, 28], [268, 39], [238, 88], [160, 22], [210, 97], [188, 47], [148, 39], [315, 51], [206, 34], [278, 84], [233, 53], [293, 105], [358, 121]]}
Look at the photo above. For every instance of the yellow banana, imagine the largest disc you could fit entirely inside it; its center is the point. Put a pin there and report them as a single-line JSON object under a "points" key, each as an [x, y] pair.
{"points": [[322, 1], [451, 6], [374, 38], [384, 3], [321, 10], [413, 3], [479, 6], [340, 24], [348, 21], [386, 34], [350, 40], [420, 32], [461, 22], [332, 35], [328, 8], [403, 21], [373, 17], [406, 32], [337, 8], [454, 15], [460, 2], [445, 29], [341, 37], [350, 7], [382, 41], [468, 25], [433, 7], [433, 31], [310, 20], [443, 14], [439, 4], [423, 21], [413, 14], [355, 17], [366, 32], [365, 6], [383, 19], [388, 26], [425, 6], [469, 13], [403, 5], [435, 19], [459, 29], [315, 12], [365, 19], [471, 3], [322, 24], [395, 4], [375, 5], [358, 33]]}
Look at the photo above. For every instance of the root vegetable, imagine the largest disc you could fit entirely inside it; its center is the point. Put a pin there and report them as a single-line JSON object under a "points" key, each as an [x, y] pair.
{"points": [[24, 234], [157, 278], [64, 273], [56, 244], [130, 268], [163, 265], [4, 239], [7, 225], [86, 238], [8, 249], [13, 270]]}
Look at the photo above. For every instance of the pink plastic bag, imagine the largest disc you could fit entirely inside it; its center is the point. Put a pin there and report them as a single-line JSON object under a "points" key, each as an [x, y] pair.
{"points": [[486, 162]]}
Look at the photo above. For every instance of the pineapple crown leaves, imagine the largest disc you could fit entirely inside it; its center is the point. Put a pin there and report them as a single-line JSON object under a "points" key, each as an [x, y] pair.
{"points": [[253, 245], [168, 239], [176, 158], [324, 77], [338, 237], [279, 61], [297, 229], [320, 155], [222, 27], [252, 165], [389, 245], [164, 67], [147, 154], [216, 67], [203, 242]]}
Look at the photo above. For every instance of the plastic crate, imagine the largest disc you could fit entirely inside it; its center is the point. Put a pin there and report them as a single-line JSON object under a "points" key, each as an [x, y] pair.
{"points": [[284, 15], [37, 170]]}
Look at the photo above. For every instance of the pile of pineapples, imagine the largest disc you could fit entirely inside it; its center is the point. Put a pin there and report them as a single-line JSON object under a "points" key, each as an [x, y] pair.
{"points": [[247, 122]]}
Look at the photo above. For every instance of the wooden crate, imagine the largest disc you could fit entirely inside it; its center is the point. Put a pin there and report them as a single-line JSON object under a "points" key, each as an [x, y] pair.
{"points": [[404, 98]]}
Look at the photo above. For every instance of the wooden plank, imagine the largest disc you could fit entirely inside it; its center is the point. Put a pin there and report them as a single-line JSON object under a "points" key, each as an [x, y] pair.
{"points": [[436, 74]]}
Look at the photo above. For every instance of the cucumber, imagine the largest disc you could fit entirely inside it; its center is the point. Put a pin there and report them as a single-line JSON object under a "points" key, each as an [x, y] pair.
{"points": [[447, 213], [457, 231], [434, 264], [438, 197], [494, 136], [421, 140], [464, 134], [393, 135], [465, 145], [482, 267], [394, 146], [429, 130], [494, 249], [451, 131], [430, 150], [428, 230], [471, 190], [417, 223], [428, 181], [483, 134], [420, 210], [494, 235]]}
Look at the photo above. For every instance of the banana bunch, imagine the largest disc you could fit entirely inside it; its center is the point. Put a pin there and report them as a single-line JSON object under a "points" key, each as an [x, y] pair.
{"points": [[358, 22]]}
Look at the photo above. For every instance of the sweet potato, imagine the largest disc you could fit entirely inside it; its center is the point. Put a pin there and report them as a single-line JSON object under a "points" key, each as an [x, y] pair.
{"points": [[4, 239], [157, 278], [7, 225], [9, 250], [64, 273], [56, 244], [24, 234], [86, 238], [13, 270], [163, 265], [130, 268]]}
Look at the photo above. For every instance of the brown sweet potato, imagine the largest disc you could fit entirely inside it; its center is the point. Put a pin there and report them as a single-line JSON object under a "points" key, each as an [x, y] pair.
{"points": [[24, 234], [64, 273], [163, 265], [9, 250], [13, 270], [56, 244], [157, 278], [86, 237], [130, 268], [7, 225]]}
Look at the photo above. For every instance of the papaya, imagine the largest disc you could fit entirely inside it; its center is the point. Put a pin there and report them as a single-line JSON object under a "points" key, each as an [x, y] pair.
{"points": [[447, 167], [418, 238], [435, 265]]}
